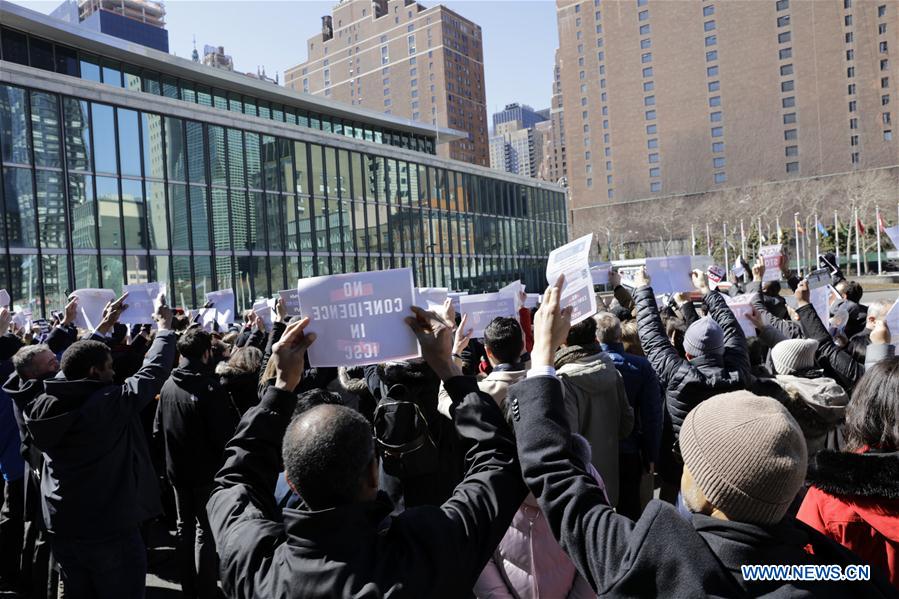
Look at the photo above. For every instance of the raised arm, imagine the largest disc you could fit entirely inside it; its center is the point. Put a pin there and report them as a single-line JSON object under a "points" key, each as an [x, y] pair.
{"points": [[736, 351], [658, 349], [142, 388]]}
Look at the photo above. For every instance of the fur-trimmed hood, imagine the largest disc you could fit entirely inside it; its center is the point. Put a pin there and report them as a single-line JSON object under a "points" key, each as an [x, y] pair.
{"points": [[873, 475], [412, 373], [352, 380]]}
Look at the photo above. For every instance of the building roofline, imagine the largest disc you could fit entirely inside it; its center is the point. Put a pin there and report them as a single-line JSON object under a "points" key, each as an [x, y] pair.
{"points": [[41, 25]]}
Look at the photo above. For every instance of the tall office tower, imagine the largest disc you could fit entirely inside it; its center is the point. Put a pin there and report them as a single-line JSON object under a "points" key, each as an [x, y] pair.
{"points": [[138, 21], [396, 56], [515, 146], [671, 98]]}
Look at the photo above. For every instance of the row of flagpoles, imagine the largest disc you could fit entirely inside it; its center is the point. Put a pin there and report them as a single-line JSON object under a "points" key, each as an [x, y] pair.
{"points": [[802, 241]]}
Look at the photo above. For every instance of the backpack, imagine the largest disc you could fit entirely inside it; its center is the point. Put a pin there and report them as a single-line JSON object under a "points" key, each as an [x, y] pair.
{"points": [[402, 435]]}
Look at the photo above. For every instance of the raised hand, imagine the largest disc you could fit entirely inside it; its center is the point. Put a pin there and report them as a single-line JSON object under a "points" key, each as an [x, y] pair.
{"points": [[280, 310], [71, 310], [758, 269], [802, 294], [435, 337], [700, 280], [463, 336], [288, 354], [756, 319], [163, 317], [551, 325], [642, 278], [5, 319]]}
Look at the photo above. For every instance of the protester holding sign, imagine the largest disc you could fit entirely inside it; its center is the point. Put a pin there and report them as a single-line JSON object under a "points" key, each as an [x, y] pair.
{"points": [[572, 261]]}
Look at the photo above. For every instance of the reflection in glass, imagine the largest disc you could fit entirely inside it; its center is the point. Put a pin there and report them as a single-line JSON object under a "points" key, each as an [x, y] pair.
{"points": [[133, 217], [19, 203], [45, 129], [199, 217], [110, 213], [162, 272], [224, 272], [87, 271], [275, 218], [218, 166], [83, 209], [183, 289], [14, 141], [196, 152], [51, 209], [104, 138], [90, 68], [236, 170], [112, 273], [203, 282], [156, 217], [174, 148], [136, 271], [56, 281], [151, 135], [253, 159], [25, 279], [260, 276], [129, 142], [221, 227], [178, 216], [302, 171]]}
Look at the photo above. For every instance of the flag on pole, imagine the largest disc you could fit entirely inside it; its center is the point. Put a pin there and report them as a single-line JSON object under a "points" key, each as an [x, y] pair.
{"points": [[823, 230], [780, 233], [799, 228], [880, 222], [860, 226]]}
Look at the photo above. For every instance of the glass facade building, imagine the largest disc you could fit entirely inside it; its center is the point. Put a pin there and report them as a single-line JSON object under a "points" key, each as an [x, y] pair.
{"points": [[111, 176]]}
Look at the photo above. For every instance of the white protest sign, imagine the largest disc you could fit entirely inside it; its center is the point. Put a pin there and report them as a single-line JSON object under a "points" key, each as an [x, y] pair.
{"points": [[773, 257], [572, 260], [454, 296], [484, 307], [263, 309], [513, 290], [737, 268], [741, 307], [715, 274], [291, 300], [532, 300], [892, 320], [359, 317], [430, 298], [670, 274], [600, 273], [91, 303], [4, 298], [222, 308], [143, 301], [22, 318], [892, 233], [820, 293]]}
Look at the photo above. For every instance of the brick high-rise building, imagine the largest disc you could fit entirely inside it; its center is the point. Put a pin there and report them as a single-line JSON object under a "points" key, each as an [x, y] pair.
{"points": [[680, 97], [397, 56]]}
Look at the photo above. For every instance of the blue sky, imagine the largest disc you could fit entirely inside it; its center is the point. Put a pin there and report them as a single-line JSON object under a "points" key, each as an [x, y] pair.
{"points": [[519, 37]]}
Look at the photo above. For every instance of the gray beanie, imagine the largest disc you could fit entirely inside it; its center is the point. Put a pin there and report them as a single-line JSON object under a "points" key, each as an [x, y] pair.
{"points": [[747, 455], [794, 355], [704, 337]]}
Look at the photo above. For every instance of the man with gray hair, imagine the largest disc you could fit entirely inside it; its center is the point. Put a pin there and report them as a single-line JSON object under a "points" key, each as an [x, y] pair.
{"points": [[638, 453], [858, 343]]}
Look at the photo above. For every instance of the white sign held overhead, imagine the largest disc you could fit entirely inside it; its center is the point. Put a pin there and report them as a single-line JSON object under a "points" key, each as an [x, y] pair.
{"points": [[892, 320], [514, 291], [430, 298], [4, 298], [359, 318], [532, 300], [91, 303], [263, 308], [772, 256], [143, 301], [454, 296], [222, 309], [291, 300], [741, 307], [670, 274], [821, 294], [484, 307], [572, 260]]}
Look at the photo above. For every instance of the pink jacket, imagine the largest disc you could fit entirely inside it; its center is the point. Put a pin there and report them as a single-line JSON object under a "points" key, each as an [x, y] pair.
{"points": [[529, 563]]}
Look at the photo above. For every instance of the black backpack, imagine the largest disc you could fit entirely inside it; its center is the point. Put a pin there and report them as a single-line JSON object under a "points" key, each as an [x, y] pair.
{"points": [[402, 435]]}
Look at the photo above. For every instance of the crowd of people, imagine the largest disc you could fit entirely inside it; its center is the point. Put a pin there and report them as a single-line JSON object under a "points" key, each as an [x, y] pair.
{"points": [[520, 465]]}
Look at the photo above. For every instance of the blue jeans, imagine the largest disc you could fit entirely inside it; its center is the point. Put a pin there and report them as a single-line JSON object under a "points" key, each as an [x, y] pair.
{"points": [[111, 568]]}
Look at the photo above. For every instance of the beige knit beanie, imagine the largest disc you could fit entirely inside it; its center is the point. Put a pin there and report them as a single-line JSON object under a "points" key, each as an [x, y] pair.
{"points": [[747, 454], [794, 355]]}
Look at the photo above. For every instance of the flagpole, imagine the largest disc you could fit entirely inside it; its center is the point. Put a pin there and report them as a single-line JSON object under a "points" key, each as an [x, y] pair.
{"points": [[692, 240], [858, 248], [878, 227], [708, 239], [779, 231], [836, 238], [726, 255], [849, 246], [742, 239], [760, 237], [817, 241], [796, 232]]}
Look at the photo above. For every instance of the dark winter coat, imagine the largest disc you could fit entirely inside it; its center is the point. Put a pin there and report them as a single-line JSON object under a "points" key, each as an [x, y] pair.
{"points": [[836, 362], [663, 553], [98, 479], [854, 499], [195, 419], [242, 387], [688, 383], [358, 550]]}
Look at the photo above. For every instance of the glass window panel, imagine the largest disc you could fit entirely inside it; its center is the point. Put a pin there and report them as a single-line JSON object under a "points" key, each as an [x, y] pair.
{"points": [[112, 273], [292, 266], [302, 170], [87, 271], [264, 110], [104, 138], [90, 68], [236, 170], [56, 281], [178, 216], [249, 106], [137, 271], [256, 222], [254, 161], [358, 180], [157, 222], [242, 291], [188, 93], [169, 87], [184, 288], [129, 142], [19, 208], [66, 61], [45, 129], [286, 164], [133, 216], [174, 148], [234, 103], [219, 99], [15, 47], [162, 271], [83, 207], [275, 221], [41, 54], [260, 277], [270, 162], [217, 156], [221, 228], [199, 217], [51, 209], [318, 171], [304, 224], [112, 73], [110, 213], [224, 272], [16, 146], [196, 152], [132, 78], [151, 134], [204, 96], [203, 281], [291, 222], [151, 83], [331, 171]]}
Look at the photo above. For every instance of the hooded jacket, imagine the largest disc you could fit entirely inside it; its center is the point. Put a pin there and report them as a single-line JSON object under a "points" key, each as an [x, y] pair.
{"points": [[22, 392], [596, 406], [98, 479], [688, 383], [854, 499], [242, 386], [359, 550], [663, 553], [195, 419]]}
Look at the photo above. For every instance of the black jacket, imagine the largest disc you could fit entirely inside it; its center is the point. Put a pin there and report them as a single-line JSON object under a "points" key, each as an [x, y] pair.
{"points": [[195, 419], [22, 392], [688, 383], [242, 387], [357, 550], [98, 479], [663, 553], [836, 362]]}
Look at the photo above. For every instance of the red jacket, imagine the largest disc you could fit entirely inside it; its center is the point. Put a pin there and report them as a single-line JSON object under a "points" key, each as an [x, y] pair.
{"points": [[854, 499]]}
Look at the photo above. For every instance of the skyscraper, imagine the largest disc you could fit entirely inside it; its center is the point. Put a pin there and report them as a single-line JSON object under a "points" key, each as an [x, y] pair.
{"points": [[671, 98], [514, 146], [138, 21], [397, 56]]}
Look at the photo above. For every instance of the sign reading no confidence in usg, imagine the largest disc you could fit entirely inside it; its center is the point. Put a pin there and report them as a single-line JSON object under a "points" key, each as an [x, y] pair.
{"points": [[358, 318]]}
